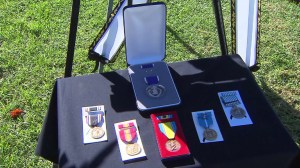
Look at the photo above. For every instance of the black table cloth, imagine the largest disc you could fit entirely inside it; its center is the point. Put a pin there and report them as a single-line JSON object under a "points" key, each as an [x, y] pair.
{"points": [[263, 144]]}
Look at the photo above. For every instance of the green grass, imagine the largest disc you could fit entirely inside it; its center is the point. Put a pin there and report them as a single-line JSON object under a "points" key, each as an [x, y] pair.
{"points": [[33, 46]]}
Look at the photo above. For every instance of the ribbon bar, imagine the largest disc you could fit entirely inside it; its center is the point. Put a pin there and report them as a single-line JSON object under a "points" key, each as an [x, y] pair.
{"points": [[164, 117], [125, 125], [94, 108]]}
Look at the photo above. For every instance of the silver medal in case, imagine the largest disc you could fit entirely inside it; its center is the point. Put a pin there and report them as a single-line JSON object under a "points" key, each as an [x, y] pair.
{"points": [[155, 91]]}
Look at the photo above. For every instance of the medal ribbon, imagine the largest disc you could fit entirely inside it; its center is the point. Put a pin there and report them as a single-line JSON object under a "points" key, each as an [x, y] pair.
{"points": [[93, 109], [127, 132], [205, 119], [168, 129], [93, 118], [229, 99], [151, 80]]}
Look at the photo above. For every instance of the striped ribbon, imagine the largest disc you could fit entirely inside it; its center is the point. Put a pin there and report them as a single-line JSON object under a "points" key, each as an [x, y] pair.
{"points": [[168, 129], [127, 132], [93, 118]]}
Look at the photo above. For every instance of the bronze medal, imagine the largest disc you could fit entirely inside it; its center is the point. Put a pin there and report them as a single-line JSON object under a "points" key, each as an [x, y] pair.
{"points": [[133, 149], [97, 132], [173, 145], [237, 112], [210, 134], [155, 91]]}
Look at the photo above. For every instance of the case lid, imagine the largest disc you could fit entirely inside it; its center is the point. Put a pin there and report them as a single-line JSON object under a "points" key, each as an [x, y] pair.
{"points": [[145, 33]]}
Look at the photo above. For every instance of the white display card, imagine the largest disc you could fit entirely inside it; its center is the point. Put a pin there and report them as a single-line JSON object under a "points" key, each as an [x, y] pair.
{"points": [[200, 129], [99, 112], [229, 100], [123, 145]]}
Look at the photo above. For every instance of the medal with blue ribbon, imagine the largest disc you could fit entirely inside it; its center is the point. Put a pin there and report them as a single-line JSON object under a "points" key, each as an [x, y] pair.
{"points": [[93, 119], [205, 120], [169, 130]]}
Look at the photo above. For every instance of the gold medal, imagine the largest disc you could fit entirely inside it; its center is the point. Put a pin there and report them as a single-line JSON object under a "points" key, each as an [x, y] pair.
{"points": [[155, 91], [237, 112], [173, 145], [97, 132], [210, 134], [133, 149]]}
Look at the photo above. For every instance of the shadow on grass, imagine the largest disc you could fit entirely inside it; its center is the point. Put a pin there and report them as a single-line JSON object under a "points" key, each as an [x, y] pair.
{"points": [[186, 45], [288, 115]]}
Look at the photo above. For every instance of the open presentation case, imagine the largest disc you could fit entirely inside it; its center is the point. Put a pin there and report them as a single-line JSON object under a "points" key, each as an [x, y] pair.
{"points": [[145, 32]]}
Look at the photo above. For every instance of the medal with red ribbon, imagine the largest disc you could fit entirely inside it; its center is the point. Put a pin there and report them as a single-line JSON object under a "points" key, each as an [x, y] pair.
{"points": [[128, 134]]}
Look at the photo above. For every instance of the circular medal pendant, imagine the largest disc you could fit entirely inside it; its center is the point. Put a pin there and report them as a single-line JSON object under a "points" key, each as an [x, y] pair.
{"points": [[133, 149], [210, 134], [173, 145], [97, 132], [155, 90], [237, 112]]}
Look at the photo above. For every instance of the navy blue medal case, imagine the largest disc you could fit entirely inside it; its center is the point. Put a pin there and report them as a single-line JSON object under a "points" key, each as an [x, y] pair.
{"points": [[145, 41]]}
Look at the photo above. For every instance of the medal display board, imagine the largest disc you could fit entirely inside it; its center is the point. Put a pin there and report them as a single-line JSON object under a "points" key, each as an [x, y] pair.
{"points": [[129, 140], [234, 108], [93, 124], [145, 31], [169, 135], [207, 127]]}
